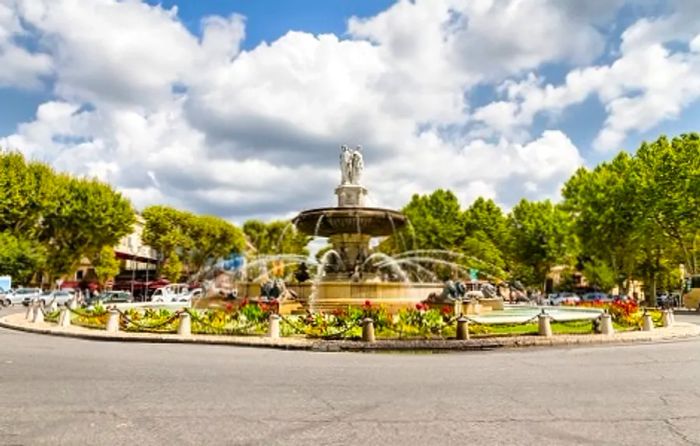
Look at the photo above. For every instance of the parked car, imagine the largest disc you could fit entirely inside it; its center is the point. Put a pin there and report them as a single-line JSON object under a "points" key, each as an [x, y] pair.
{"points": [[596, 296], [111, 297], [175, 292], [21, 296], [564, 298], [61, 297]]}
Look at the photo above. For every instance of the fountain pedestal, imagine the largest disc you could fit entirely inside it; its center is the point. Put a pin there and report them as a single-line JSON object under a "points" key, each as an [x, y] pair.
{"points": [[351, 195]]}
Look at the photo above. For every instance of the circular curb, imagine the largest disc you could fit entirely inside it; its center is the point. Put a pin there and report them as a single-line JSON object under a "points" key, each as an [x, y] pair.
{"points": [[679, 331]]}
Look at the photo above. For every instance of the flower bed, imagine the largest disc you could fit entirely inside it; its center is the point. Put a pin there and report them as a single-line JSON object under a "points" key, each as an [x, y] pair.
{"points": [[421, 322]]}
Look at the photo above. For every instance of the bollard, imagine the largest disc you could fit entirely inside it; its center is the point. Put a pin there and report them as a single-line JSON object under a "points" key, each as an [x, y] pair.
{"points": [[545, 326], [38, 314], [462, 328], [73, 303], [368, 330], [273, 329], [647, 322], [53, 306], [185, 327], [606, 326], [672, 314], [29, 315], [666, 318], [113, 321], [64, 318]]}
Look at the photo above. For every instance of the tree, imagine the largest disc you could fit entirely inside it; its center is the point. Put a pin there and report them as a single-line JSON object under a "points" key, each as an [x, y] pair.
{"points": [[435, 222], [69, 217], [276, 237], [542, 237], [196, 240], [172, 268], [20, 258], [212, 238], [106, 264], [668, 174], [600, 275], [609, 224], [486, 237]]}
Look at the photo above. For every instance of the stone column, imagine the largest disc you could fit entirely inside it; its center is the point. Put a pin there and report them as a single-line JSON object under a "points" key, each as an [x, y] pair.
{"points": [[606, 326], [666, 318], [647, 322], [38, 314], [185, 327], [368, 330], [273, 329], [462, 328], [113, 321], [457, 309], [544, 325], [64, 318], [29, 315]]}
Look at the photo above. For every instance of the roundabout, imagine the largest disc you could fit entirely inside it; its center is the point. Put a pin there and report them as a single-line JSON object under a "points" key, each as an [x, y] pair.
{"points": [[70, 391]]}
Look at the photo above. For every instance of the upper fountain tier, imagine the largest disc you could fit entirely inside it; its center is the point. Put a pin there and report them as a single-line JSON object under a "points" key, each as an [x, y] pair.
{"points": [[351, 216]]}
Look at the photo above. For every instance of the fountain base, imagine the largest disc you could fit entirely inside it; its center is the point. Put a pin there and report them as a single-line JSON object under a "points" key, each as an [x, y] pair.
{"points": [[339, 295]]}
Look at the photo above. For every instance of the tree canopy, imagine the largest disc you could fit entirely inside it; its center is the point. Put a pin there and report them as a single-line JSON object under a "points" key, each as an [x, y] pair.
{"points": [[56, 219]]}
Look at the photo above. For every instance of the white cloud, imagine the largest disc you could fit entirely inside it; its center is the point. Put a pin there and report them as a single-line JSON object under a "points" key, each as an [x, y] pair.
{"points": [[196, 122], [647, 84]]}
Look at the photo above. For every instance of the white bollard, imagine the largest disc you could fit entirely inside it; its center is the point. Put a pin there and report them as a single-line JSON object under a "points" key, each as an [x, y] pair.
{"points": [[73, 303], [647, 322], [545, 326], [606, 326], [113, 321], [672, 314], [38, 314], [666, 318], [185, 327], [273, 329], [53, 306], [64, 318], [29, 315]]}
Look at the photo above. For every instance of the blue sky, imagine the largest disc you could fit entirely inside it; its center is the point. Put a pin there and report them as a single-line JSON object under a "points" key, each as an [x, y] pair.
{"points": [[237, 108]]}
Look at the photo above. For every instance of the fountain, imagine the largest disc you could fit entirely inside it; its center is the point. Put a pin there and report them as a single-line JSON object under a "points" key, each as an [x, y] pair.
{"points": [[351, 273]]}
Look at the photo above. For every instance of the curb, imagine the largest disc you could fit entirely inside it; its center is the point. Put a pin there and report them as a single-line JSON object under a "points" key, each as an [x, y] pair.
{"points": [[679, 331]]}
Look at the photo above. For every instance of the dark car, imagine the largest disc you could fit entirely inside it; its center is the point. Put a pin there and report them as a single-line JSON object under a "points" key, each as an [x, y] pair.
{"points": [[596, 297], [112, 297]]}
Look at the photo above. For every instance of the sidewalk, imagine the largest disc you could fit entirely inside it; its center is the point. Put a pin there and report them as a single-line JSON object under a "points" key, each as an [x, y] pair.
{"points": [[679, 330]]}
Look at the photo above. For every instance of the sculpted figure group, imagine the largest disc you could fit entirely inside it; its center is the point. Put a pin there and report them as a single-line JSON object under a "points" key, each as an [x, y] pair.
{"points": [[351, 165]]}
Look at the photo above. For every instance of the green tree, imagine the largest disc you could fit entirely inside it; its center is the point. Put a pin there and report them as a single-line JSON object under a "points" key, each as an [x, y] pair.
{"points": [[668, 175], [106, 264], [172, 267], [608, 221], [542, 237], [600, 275], [276, 237], [212, 238], [70, 218], [20, 258], [487, 237]]}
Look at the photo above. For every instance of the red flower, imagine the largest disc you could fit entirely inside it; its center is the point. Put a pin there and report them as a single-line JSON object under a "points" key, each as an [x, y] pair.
{"points": [[368, 303], [446, 309], [229, 307]]}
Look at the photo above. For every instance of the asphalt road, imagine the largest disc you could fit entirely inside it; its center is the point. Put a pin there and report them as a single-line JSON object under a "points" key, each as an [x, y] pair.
{"points": [[69, 391]]}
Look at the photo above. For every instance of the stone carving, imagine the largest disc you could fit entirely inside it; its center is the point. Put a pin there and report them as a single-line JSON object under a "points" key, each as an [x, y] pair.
{"points": [[351, 165], [345, 164]]}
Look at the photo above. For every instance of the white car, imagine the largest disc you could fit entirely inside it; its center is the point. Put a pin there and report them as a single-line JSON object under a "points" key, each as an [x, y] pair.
{"points": [[61, 297], [20, 296], [565, 298]]}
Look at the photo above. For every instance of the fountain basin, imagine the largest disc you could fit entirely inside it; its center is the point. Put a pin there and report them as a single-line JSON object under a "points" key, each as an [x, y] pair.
{"points": [[330, 221]]}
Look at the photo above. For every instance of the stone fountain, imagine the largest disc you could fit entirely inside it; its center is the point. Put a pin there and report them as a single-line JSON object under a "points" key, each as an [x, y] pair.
{"points": [[349, 273]]}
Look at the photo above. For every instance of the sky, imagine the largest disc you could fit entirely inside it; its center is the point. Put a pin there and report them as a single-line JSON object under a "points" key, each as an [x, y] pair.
{"points": [[238, 108]]}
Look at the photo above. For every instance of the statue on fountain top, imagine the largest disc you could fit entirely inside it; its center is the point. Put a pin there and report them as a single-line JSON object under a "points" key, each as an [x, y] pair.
{"points": [[351, 165]]}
